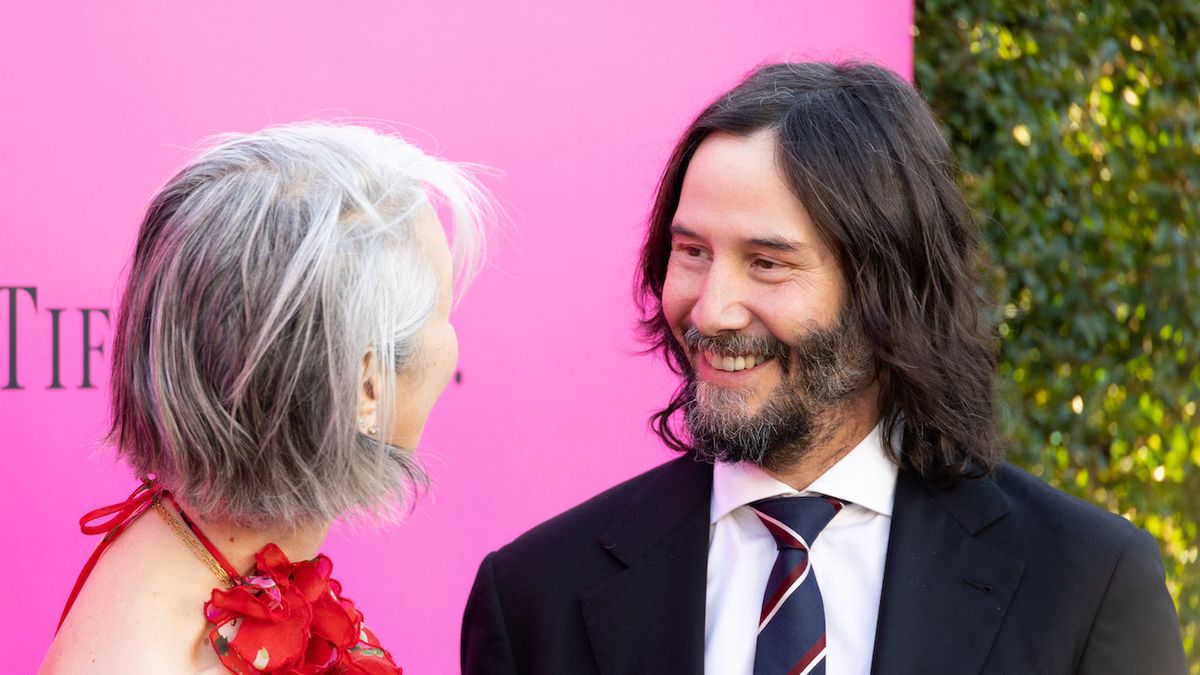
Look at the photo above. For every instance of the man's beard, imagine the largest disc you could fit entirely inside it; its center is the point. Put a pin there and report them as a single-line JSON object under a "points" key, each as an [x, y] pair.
{"points": [[822, 369]]}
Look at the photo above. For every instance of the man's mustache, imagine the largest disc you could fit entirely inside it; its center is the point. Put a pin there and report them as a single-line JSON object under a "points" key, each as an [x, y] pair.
{"points": [[734, 344]]}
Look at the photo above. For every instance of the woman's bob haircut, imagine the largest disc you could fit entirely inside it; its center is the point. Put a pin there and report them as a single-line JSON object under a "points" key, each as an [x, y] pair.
{"points": [[269, 275]]}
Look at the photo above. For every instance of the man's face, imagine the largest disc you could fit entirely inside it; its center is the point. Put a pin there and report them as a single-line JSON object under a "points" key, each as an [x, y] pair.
{"points": [[756, 298]]}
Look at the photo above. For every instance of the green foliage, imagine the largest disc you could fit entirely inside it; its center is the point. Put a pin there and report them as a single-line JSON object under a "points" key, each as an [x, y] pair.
{"points": [[1077, 127]]}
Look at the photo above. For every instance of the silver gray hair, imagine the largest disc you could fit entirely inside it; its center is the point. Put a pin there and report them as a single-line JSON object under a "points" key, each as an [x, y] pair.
{"points": [[268, 275]]}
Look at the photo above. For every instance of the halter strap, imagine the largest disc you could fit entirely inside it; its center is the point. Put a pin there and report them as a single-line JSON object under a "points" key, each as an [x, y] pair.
{"points": [[123, 513], [120, 515]]}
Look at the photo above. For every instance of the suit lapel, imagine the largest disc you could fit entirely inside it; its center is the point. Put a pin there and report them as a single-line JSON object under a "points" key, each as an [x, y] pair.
{"points": [[649, 618], [945, 592]]}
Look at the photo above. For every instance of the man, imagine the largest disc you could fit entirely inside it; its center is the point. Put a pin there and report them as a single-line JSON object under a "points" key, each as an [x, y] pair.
{"points": [[842, 506]]}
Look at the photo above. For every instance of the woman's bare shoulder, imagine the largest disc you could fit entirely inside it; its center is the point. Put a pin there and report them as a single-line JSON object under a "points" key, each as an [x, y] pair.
{"points": [[140, 611]]}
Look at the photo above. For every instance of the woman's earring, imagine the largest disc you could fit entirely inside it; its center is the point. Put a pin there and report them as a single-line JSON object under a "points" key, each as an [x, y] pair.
{"points": [[368, 430]]}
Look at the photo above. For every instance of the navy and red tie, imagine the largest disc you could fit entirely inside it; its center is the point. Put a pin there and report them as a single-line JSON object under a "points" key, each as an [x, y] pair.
{"points": [[791, 628]]}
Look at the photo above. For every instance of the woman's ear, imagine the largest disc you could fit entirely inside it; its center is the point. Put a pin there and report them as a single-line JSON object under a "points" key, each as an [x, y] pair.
{"points": [[368, 399]]}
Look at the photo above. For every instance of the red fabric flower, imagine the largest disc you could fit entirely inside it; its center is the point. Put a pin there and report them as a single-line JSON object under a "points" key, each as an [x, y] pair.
{"points": [[290, 618]]}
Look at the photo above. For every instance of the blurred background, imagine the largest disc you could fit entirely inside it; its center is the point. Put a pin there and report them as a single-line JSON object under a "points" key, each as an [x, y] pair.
{"points": [[1077, 129]]}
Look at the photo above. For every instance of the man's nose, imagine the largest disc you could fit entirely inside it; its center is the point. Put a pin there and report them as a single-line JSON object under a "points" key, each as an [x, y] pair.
{"points": [[722, 304]]}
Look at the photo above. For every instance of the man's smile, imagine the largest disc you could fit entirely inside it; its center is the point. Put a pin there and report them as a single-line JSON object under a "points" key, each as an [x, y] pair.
{"points": [[730, 370], [735, 362]]}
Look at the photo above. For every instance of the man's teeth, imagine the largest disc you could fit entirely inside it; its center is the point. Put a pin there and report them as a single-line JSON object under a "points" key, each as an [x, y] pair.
{"points": [[734, 363]]}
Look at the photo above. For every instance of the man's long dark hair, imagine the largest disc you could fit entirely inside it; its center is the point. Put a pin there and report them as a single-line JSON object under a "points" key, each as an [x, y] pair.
{"points": [[863, 153]]}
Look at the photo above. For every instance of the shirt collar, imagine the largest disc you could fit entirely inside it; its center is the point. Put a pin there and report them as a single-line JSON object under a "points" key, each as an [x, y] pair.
{"points": [[865, 476]]}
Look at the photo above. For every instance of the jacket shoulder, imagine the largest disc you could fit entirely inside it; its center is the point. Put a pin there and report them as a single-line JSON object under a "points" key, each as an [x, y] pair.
{"points": [[1096, 574], [1041, 507], [587, 522], [525, 608]]}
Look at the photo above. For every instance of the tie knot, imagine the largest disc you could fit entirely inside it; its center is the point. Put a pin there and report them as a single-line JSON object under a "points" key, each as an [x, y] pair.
{"points": [[795, 522]]}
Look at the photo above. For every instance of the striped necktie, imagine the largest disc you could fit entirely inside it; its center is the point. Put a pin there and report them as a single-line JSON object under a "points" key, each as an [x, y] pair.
{"points": [[791, 628]]}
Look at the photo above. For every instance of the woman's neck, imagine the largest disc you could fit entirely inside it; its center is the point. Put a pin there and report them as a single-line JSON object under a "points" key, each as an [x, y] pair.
{"points": [[239, 544]]}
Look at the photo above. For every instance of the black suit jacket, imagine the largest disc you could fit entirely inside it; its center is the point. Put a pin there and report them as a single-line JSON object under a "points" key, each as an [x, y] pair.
{"points": [[1002, 575]]}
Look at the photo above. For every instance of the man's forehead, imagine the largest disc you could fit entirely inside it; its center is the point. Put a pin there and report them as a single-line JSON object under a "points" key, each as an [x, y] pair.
{"points": [[734, 191]]}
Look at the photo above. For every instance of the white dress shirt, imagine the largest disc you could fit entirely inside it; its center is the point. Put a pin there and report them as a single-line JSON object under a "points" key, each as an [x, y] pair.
{"points": [[847, 559]]}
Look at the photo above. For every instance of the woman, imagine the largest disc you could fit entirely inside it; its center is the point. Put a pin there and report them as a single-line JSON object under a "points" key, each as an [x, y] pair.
{"points": [[283, 336]]}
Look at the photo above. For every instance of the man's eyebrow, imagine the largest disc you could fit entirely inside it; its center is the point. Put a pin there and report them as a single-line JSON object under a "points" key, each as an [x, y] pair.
{"points": [[678, 230], [774, 243], [780, 244]]}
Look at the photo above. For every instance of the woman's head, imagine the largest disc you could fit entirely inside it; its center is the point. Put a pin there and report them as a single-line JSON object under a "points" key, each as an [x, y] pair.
{"points": [[289, 289]]}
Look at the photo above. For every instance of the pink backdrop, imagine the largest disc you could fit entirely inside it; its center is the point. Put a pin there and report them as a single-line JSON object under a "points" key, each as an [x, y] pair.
{"points": [[577, 104]]}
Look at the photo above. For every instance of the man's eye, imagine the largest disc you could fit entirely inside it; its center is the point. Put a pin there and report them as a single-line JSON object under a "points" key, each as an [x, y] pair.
{"points": [[766, 264], [689, 251]]}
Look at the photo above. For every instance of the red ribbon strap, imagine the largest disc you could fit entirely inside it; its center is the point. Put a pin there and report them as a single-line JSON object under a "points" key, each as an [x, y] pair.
{"points": [[122, 514]]}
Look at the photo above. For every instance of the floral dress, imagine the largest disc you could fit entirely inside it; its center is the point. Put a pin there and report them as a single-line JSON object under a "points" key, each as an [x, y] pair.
{"points": [[283, 617]]}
